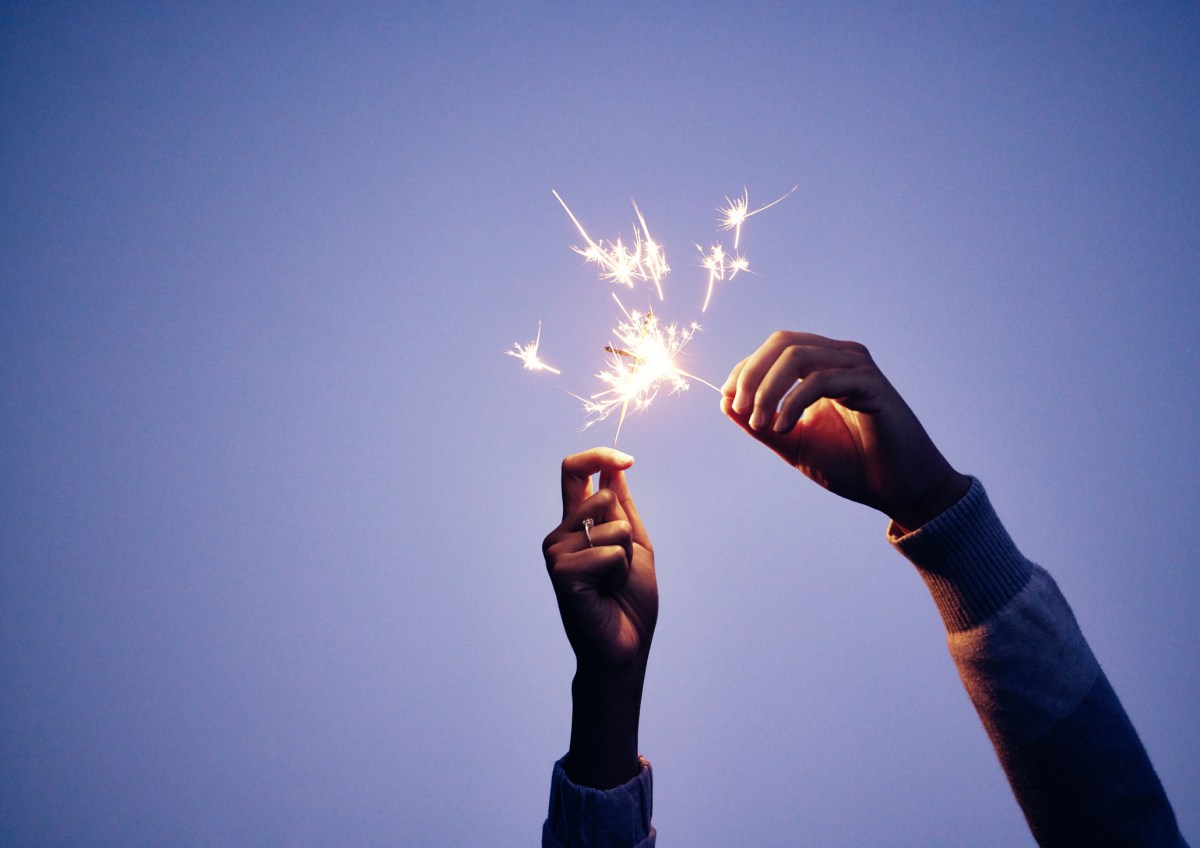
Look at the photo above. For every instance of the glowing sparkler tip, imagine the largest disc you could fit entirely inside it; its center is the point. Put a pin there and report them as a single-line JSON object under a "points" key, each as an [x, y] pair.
{"points": [[641, 362]]}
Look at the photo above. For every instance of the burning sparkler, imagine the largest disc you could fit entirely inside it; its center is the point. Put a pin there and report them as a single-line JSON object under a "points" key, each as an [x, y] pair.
{"points": [[528, 354], [734, 215], [641, 363]]}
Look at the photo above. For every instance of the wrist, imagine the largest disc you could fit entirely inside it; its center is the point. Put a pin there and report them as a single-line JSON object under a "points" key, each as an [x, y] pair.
{"points": [[606, 710], [918, 512]]}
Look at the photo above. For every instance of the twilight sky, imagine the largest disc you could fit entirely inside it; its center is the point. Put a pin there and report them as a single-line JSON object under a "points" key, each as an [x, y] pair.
{"points": [[272, 496]]}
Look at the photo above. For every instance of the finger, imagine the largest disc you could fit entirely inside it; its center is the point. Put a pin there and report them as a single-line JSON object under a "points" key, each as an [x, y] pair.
{"points": [[848, 386], [619, 485], [611, 529], [606, 566], [601, 508], [794, 363], [757, 365], [783, 443], [729, 387], [577, 471], [618, 533], [611, 534]]}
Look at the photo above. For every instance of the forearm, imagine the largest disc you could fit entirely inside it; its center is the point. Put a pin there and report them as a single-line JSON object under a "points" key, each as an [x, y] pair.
{"points": [[1072, 757], [601, 794], [606, 710]]}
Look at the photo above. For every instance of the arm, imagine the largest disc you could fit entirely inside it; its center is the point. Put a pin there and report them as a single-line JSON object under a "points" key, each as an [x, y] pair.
{"points": [[604, 582], [1071, 755], [1074, 761]]}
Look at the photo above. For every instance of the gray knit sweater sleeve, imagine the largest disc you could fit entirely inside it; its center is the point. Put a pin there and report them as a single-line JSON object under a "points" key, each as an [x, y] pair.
{"points": [[1073, 759]]}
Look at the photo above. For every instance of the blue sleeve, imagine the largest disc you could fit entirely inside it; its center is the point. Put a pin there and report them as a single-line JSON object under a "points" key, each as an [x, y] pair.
{"points": [[582, 817], [1072, 757]]}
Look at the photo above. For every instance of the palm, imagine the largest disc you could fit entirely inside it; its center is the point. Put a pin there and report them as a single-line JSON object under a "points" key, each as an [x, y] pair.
{"points": [[831, 445]]}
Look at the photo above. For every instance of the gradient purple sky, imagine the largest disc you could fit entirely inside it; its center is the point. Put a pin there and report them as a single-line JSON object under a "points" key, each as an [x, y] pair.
{"points": [[272, 494]]}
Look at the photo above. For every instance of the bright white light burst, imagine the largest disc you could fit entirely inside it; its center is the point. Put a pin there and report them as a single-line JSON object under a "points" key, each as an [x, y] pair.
{"points": [[640, 364]]}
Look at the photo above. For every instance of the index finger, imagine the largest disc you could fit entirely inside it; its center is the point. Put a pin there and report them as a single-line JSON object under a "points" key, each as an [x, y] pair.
{"points": [[577, 471]]}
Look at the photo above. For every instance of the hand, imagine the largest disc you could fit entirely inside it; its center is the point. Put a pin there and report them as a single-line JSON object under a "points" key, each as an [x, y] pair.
{"points": [[608, 600], [825, 408]]}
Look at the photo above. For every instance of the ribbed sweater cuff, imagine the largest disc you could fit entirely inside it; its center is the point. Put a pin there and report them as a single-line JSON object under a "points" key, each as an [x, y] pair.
{"points": [[967, 559]]}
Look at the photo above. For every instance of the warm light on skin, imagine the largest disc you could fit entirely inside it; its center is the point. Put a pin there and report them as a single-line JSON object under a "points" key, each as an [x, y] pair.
{"points": [[528, 354]]}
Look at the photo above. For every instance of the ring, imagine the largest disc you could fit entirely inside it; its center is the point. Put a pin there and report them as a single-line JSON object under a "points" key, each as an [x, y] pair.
{"points": [[588, 524]]}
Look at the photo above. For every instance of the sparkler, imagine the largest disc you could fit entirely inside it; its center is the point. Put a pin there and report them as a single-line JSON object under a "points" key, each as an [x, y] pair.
{"points": [[640, 365], [734, 215], [528, 354]]}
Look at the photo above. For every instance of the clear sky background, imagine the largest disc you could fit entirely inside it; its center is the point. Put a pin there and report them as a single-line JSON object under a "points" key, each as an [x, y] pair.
{"points": [[271, 495]]}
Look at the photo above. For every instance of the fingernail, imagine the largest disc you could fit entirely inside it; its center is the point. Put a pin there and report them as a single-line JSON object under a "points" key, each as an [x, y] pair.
{"points": [[622, 456], [779, 425], [756, 420]]}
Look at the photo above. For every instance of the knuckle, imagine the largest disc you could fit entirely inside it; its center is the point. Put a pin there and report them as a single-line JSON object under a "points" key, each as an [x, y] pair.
{"points": [[549, 549], [793, 355]]}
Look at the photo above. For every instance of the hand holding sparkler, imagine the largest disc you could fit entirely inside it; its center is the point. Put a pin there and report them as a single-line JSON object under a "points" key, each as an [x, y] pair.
{"points": [[601, 564], [826, 408]]}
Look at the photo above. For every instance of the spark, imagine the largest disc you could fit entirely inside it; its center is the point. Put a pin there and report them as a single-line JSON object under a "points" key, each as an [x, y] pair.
{"points": [[734, 215], [736, 264], [654, 260], [714, 263], [720, 266], [641, 363], [528, 354], [619, 264]]}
